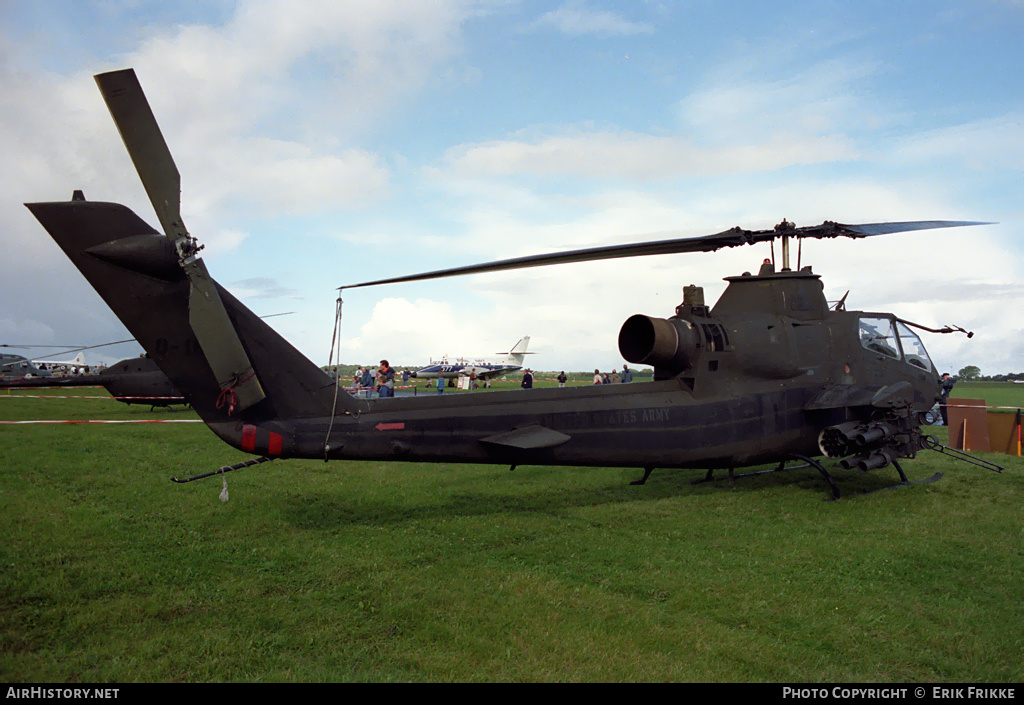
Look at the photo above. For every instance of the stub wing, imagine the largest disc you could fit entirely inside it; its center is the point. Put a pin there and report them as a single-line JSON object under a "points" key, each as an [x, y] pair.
{"points": [[528, 438]]}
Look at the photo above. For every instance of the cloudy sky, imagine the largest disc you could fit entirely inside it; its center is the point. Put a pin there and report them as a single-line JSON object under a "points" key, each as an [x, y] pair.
{"points": [[324, 144]]}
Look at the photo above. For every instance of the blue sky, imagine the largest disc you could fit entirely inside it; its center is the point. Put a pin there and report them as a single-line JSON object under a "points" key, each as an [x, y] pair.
{"points": [[327, 144]]}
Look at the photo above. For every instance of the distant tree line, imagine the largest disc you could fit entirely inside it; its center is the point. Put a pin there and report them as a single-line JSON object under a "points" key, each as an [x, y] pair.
{"points": [[972, 373]]}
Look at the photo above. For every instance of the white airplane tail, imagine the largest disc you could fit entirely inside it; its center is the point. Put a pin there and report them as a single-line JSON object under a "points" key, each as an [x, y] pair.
{"points": [[518, 352], [78, 361]]}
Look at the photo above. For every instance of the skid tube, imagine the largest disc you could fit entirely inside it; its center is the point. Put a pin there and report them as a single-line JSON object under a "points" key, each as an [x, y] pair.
{"points": [[807, 462], [811, 462]]}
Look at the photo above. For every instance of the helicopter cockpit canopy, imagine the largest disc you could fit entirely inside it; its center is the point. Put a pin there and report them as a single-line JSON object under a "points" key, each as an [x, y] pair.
{"points": [[893, 339]]}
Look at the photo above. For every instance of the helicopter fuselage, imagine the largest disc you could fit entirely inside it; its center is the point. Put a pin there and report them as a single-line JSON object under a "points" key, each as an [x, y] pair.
{"points": [[734, 386]]}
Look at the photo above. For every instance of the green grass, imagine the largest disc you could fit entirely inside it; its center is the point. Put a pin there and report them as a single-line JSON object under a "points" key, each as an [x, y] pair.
{"points": [[354, 571], [1005, 394]]}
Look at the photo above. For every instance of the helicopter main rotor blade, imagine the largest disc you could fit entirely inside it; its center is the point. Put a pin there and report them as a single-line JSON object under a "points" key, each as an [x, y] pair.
{"points": [[869, 229], [705, 243], [207, 316]]}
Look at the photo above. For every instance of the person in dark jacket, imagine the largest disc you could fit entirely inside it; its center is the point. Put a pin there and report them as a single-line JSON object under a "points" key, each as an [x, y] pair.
{"points": [[947, 387]]}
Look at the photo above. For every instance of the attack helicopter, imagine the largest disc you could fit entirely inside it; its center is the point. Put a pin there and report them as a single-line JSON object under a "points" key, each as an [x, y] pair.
{"points": [[14, 367], [135, 380], [768, 374]]}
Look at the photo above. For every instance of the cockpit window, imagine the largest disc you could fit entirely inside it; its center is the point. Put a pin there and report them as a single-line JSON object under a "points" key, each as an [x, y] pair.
{"points": [[876, 334], [913, 348]]}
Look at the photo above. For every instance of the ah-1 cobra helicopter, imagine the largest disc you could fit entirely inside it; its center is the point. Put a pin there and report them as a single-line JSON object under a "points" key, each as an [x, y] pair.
{"points": [[135, 380], [768, 374]]}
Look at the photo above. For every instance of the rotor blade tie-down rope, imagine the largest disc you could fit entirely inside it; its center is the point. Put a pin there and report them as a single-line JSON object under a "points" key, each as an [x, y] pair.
{"points": [[228, 396]]}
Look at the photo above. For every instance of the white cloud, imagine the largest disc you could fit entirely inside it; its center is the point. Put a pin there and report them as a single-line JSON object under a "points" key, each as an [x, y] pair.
{"points": [[217, 241], [404, 332], [641, 157], [276, 177], [261, 288], [342, 56], [576, 18], [753, 102], [312, 76], [988, 143]]}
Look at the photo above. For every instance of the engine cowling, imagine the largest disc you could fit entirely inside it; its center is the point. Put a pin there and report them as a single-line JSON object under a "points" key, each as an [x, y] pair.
{"points": [[670, 345]]}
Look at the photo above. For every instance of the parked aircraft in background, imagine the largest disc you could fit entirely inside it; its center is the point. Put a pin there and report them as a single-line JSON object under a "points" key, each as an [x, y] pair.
{"points": [[76, 364], [19, 366], [483, 369], [135, 380]]}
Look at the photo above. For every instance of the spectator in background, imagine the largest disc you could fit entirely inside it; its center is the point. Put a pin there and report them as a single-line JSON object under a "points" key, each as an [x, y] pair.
{"points": [[947, 387], [385, 380], [527, 379]]}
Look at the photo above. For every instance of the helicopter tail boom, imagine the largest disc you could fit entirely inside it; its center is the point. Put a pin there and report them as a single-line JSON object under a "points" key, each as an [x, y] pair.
{"points": [[134, 269]]}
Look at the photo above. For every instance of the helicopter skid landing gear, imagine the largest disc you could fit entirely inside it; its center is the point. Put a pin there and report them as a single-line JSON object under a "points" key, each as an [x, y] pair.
{"points": [[710, 477], [811, 462], [643, 480], [807, 462], [906, 482], [824, 473]]}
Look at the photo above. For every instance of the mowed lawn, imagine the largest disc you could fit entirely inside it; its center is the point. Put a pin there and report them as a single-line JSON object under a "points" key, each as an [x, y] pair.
{"points": [[353, 571]]}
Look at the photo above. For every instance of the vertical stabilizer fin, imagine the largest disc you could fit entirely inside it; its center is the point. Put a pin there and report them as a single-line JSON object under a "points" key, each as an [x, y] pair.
{"points": [[518, 352]]}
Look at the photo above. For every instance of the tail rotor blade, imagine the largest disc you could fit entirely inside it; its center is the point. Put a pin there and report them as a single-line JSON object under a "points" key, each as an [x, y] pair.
{"points": [[146, 146], [207, 316], [216, 336]]}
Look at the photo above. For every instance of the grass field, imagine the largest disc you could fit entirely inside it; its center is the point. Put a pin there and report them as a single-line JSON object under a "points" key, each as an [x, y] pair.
{"points": [[355, 571], [1002, 394]]}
